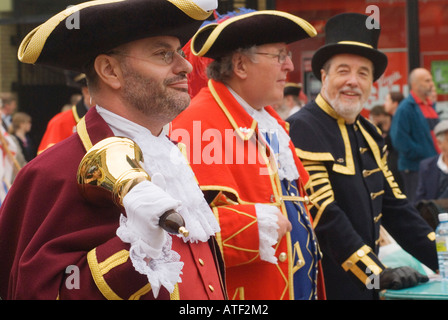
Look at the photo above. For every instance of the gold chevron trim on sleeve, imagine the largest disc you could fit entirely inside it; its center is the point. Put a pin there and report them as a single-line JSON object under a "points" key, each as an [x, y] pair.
{"points": [[319, 156], [319, 187], [368, 265], [98, 271]]}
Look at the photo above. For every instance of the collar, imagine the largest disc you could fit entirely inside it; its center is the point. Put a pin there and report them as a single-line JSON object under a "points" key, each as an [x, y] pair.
{"points": [[420, 101], [243, 124], [162, 156], [442, 165], [347, 165], [267, 124]]}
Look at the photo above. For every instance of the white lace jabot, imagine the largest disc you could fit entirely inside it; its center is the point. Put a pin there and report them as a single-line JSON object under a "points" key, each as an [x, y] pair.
{"points": [[162, 156], [287, 168]]}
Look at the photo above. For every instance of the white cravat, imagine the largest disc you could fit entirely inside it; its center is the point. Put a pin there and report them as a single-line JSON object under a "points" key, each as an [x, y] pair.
{"points": [[266, 214], [266, 123], [164, 157]]}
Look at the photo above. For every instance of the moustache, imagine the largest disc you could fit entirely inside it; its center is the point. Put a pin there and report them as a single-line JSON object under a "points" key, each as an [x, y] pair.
{"points": [[175, 79], [354, 90]]}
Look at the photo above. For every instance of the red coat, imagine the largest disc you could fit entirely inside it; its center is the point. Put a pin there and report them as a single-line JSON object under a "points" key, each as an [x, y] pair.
{"points": [[62, 126], [49, 233], [219, 136]]}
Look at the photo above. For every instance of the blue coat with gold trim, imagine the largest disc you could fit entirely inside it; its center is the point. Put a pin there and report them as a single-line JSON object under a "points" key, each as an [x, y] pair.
{"points": [[353, 192]]}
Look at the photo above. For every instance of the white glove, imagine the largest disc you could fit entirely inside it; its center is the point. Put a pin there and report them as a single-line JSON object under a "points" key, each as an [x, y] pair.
{"points": [[144, 205]]}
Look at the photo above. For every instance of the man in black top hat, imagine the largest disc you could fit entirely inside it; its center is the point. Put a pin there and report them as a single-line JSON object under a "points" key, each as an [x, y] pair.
{"points": [[352, 190]]}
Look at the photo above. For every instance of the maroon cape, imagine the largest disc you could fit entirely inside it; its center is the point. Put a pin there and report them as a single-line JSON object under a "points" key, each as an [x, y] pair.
{"points": [[54, 244]]}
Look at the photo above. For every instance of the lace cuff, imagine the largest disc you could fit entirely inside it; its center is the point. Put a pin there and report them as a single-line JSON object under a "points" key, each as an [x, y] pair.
{"points": [[267, 229], [164, 270]]}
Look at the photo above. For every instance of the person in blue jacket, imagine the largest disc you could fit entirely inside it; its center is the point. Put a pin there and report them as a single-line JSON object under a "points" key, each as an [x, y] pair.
{"points": [[412, 129], [433, 172]]}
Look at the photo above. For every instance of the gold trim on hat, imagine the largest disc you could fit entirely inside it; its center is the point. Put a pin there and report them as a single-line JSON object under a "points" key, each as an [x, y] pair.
{"points": [[293, 84], [191, 9], [34, 42], [32, 45], [356, 43], [218, 28]]}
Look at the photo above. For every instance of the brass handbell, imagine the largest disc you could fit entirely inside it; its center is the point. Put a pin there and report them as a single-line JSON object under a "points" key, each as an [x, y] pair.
{"points": [[110, 169]]}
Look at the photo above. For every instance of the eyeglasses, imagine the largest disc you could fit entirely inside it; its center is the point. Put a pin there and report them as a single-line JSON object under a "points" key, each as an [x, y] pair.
{"points": [[281, 57], [166, 56]]}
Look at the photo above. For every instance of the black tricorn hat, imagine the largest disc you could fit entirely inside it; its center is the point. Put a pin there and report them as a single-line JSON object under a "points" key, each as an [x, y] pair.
{"points": [[74, 37], [349, 33], [254, 28], [292, 88]]}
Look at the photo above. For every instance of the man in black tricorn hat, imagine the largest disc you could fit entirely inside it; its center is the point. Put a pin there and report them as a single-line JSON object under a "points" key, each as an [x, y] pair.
{"points": [[252, 177], [352, 190], [61, 242]]}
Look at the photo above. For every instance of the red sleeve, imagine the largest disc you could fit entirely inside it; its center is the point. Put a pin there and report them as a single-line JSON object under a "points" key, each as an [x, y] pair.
{"points": [[239, 238], [58, 128]]}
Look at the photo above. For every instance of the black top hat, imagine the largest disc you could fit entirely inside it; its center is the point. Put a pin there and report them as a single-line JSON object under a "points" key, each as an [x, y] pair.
{"points": [[74, 37], [348, 33], [292, 88], [254, 28]]}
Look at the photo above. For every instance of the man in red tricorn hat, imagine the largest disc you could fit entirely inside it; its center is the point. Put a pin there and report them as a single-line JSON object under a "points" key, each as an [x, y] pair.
{"points": [[244, 161], [103, 239], [351, 187]]}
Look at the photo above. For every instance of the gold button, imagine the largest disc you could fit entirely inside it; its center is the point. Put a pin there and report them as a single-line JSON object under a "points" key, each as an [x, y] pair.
{"points": [[201, 262], [360, 253], [282, 257], [211, 288], [307, 200]]}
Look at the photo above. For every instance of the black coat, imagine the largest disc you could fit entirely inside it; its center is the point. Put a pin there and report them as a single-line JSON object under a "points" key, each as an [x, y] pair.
{"points": [[353, 192]]}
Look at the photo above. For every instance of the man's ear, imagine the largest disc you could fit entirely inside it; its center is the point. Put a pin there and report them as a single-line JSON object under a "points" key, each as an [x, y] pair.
{"points": [[240, 65], [109, 71], [323, 75]]}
